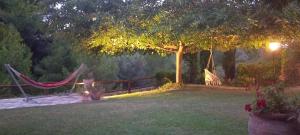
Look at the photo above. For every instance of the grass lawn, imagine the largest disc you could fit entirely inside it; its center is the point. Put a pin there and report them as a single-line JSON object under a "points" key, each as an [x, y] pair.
{"points": [[180, 112]]}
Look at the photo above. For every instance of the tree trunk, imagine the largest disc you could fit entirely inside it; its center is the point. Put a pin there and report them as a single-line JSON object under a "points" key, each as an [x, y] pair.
{"points": [[229, 65], [179, 55]]}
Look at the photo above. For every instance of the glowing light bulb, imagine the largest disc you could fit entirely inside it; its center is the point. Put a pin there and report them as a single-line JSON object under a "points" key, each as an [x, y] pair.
{"points": [[86, 92], [274, 46]]}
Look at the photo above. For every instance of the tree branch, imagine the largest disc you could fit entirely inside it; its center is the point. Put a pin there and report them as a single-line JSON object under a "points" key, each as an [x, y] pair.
{"points": [[168, 50], [171, 47], [161, 48], [191, 49]]}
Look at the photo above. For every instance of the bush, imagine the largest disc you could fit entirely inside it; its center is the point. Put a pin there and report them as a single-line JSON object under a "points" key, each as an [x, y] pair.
{"points": [[165, 77], [258, 73], [273, 99], [291, 64]]}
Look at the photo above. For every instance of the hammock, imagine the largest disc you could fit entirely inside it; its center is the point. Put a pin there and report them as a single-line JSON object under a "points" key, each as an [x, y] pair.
{"points": [[211, 78], [43, 85]]}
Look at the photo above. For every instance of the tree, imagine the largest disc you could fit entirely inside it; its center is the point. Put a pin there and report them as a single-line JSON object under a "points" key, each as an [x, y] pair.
{"points": [[25, 16], [79, 17], [172, 27], [229, 65], [13, 52], [101, 66], [272, 20], [178, 27], [60, 61]]}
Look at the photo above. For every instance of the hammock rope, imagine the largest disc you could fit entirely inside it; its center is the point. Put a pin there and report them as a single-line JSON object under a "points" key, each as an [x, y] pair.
{"points": [[211, 78], [43, 85]]}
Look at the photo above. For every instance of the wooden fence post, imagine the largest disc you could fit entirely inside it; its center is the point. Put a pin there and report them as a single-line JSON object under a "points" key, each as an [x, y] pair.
{"points": [[129, 86]]}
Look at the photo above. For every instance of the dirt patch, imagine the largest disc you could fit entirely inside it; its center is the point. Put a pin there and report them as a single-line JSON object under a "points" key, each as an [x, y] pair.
{"points": [[42, 101]]}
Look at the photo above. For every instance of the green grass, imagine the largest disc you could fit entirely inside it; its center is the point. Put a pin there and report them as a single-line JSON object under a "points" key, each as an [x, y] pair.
{"points": [[180, 112]]}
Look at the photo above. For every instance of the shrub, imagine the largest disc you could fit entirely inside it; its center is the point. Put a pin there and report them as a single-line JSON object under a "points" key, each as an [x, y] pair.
{"points": [[258, 73], [291, 64], [165, 77], [272, 99]]}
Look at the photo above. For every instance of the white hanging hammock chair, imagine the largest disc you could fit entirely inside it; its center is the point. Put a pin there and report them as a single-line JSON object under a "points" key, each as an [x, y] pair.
{"points": [[211, 78]]}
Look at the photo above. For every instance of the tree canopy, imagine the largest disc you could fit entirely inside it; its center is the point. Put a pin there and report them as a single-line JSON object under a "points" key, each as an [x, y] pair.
{"points": [[54, 29], [165, 26]]}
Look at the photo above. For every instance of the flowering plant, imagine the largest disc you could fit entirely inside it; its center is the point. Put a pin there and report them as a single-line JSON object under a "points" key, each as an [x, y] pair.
{"points": [[272, 99]]}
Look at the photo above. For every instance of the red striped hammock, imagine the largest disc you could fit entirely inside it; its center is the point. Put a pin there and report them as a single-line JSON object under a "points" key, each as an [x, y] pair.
{"points": [[47, 85]]}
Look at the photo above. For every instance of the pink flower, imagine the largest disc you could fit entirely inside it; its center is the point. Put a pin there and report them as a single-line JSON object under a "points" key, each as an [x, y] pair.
{"points": [[248, 107], [261, 103]]}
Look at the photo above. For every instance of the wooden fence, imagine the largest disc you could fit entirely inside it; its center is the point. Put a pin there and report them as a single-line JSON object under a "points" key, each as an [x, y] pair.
{"points": [[129, 83]]}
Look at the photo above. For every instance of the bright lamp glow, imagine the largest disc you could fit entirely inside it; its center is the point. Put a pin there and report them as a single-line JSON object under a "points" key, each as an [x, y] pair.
{"points": [[86, 92], [274, 46]]}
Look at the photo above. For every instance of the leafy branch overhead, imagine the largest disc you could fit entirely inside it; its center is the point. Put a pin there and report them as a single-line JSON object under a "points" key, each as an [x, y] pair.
{"points": [[149, 26]]}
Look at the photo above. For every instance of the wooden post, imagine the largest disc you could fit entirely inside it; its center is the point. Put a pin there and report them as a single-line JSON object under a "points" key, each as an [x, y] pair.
{"points": [[179, 55], [129, 86], [46, 91]]}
